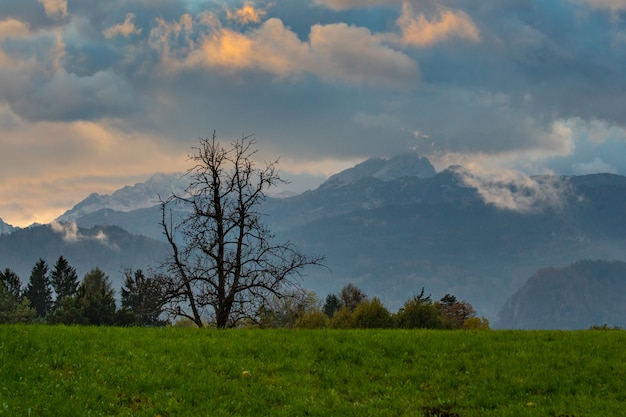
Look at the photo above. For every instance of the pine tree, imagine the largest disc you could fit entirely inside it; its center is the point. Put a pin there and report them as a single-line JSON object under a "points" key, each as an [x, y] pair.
{"points": [[38, 291], [141, 300], [12, 283], [96, 298], [64, 280]]}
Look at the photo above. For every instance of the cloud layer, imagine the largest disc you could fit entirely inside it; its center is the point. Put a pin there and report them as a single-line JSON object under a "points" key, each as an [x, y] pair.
{"points": [[94, 95]]}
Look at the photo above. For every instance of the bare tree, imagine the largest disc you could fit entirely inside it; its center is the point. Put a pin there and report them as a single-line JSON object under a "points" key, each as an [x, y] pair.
{"points": [[224, 261]]}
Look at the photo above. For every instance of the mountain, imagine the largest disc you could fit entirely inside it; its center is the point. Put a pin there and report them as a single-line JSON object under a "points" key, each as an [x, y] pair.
{"points": [[391, 232], [108, 247], [444, 237], [578, 296], [130, 198], [6, 228], [405, 165]]}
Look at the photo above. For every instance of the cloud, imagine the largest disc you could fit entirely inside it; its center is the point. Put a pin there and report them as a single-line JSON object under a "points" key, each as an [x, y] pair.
{"points": [[65, 96], [72, 234], [352, 4], [61, 163], [516, 191], [13, 28], [123, 29], [246, 14], [54, 8], [68, 230], [527, 86], [334, 52], [595, 166], [419, 31]]}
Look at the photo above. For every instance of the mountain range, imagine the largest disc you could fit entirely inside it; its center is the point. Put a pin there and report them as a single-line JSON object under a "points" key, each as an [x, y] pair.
{"points": [[391, 227]]}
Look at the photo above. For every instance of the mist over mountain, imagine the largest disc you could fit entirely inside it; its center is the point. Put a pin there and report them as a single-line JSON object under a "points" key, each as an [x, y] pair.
{"points": [[6, 228], [577, 296], [394, 226], [108, 247]]}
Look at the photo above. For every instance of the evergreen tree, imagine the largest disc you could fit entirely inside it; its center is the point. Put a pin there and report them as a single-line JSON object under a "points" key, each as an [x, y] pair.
{"points": [[141, 300], [332, 305], [12, 283], [13, 310], [64, 281], [96, 298], [38, 291]]}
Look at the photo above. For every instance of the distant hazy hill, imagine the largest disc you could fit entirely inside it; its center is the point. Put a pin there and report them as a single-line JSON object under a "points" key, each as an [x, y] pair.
{"points": [[109, 248], [574, 297]]}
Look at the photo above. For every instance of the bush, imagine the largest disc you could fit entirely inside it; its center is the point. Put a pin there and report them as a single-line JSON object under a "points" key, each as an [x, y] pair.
{"points": [[475, 323], [419, 314], [343, 319], [314, 319], [372, 314]]}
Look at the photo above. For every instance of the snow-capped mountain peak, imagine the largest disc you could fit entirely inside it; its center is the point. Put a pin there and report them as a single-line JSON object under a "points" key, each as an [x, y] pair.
{"points": [[404, 165], [6, 228], [141, 195]]}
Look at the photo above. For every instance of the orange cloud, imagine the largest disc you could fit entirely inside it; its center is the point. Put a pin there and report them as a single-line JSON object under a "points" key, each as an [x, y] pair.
{"points": [[123, 29], [43, 178], [420, 32], [54, 8], [337, 52], [13, 28], [227, 48], [353, 4], [247, 14]]}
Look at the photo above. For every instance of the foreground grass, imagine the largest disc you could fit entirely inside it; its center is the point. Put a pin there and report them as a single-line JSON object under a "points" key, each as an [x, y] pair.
{"points": [[77, 371]]}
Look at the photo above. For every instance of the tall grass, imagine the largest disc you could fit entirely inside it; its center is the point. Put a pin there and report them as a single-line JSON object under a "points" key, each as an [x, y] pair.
{"points": [[77, 371]]}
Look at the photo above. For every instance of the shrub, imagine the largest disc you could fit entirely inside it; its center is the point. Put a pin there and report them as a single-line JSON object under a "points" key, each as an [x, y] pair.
{"points": [[343, 319], [372, 314], [419, 314], [475, 323], [314, 319]]}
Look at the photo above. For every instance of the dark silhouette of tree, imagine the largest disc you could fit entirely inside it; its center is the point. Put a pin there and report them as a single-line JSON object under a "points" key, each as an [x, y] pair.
{"points": [[331, 305], [142, 302], [64, 280], [38, 291], [352, 296], [225, 263], [453, 312], [12, 283]]}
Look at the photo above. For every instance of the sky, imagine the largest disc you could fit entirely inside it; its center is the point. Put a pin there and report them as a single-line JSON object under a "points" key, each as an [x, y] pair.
{"points": [[95, 95]]}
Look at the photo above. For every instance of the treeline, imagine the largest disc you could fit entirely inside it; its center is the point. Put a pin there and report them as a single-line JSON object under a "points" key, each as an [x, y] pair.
{"points": [[57, 297], [352, 308]]}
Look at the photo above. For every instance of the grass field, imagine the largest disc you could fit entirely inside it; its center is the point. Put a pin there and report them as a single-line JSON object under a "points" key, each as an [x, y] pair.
{"points": [[81, 371]]}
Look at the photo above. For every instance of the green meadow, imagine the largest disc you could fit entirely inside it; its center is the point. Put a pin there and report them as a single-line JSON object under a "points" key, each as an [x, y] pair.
{"points": [[107, 371]]}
